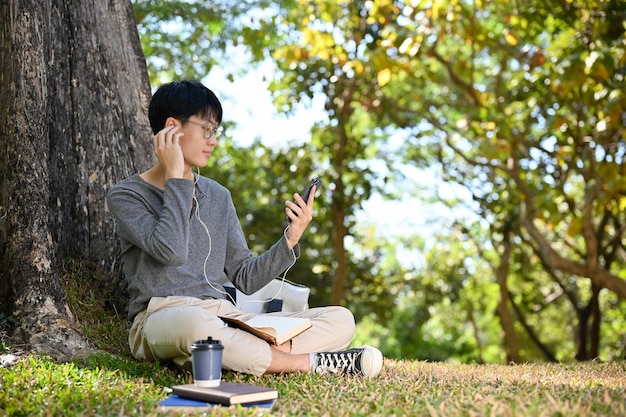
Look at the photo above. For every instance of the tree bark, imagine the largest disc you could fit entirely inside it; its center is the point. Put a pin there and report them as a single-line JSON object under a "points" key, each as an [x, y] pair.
{"points": [[73, 93]]}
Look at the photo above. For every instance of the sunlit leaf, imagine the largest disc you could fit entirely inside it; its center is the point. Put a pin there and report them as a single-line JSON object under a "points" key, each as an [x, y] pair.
{"points": [[510, 38], [383, 77]]}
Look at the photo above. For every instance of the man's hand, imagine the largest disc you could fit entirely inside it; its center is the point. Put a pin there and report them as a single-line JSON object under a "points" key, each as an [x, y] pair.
{"points": [[301, 215], [168, 151]]}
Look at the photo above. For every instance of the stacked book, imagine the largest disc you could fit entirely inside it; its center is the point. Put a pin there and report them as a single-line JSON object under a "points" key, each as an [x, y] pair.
{"points": [[189, 397]]}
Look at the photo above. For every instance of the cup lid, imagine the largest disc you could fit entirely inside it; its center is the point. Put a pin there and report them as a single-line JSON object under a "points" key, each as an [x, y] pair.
{"points": [[209, 343]]}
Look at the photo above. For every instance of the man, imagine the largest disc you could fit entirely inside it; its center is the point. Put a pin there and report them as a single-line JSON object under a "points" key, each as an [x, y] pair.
{"points": [[180, 237]]}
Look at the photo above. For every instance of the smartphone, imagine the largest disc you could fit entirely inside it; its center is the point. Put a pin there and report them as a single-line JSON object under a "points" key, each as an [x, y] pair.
{"points": [[305, 193]]}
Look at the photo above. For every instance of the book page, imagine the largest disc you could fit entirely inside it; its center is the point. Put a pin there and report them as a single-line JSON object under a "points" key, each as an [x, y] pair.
{"points": [[274, 329]]}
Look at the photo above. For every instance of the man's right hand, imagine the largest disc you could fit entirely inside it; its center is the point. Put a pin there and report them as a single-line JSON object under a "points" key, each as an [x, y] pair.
{"points": [[168, 151]]}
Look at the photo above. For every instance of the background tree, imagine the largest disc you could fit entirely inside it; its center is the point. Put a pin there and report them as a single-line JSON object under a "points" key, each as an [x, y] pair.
{"points": [[73, 95], [536, 131], [522, 105]]}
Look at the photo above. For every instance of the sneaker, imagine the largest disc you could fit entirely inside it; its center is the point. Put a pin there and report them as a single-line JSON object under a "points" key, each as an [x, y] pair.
{"points": [[365, 361]]}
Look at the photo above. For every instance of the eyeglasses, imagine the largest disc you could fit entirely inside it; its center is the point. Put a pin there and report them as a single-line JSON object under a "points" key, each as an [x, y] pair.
{"points": [[209, 129]]}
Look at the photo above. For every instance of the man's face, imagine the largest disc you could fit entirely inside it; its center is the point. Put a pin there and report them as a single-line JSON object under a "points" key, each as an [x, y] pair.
{"points": [[199, 139]]}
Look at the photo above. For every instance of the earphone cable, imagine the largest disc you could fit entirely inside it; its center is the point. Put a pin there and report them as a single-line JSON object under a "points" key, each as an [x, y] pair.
{"points": [[206, 229], [282, 279], [206, 259]]}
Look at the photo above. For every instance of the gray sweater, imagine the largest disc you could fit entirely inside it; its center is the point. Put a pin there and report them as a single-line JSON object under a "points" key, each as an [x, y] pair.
{"points": [[164, 246]]}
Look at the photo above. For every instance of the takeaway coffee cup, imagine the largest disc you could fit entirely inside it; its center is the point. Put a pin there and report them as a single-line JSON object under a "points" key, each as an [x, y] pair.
{"points": [[206, 361]]}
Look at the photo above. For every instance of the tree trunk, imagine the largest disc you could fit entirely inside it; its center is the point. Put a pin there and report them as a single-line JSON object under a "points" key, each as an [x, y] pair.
{"points": [[531, 332], [596, 321], [583, 331], [589, 333], [338, 206], [73, 93], [511, 341], [339, 234]]}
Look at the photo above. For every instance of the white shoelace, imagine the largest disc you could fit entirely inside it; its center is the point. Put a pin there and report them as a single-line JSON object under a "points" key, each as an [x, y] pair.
{"points": [[338, 362]]}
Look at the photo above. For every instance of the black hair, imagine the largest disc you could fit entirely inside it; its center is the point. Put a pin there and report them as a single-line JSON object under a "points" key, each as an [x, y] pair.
{"points": [[181, 100]]}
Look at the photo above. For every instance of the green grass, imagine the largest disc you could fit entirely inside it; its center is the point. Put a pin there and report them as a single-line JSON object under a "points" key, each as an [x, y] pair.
{"points": [[112, 383], [106, 385]]}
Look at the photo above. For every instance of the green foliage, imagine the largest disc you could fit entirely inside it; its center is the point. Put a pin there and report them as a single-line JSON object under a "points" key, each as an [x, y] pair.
{"points": [[447, 310], [522, 106], [185, 39]]}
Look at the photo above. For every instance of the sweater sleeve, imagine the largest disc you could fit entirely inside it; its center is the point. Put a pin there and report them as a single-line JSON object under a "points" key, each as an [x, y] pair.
{"points": [[160, 231], [249, 274]]}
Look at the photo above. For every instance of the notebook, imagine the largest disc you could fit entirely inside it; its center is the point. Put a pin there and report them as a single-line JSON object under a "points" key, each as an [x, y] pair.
{"points": [[227, 393]]}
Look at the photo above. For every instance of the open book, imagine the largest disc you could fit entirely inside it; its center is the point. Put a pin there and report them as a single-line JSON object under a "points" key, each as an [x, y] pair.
{"points": [[274, 329], [227, 393]]}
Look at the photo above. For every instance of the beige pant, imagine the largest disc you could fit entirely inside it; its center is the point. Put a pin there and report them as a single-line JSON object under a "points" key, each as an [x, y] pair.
{"points": [[168, 327]]}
